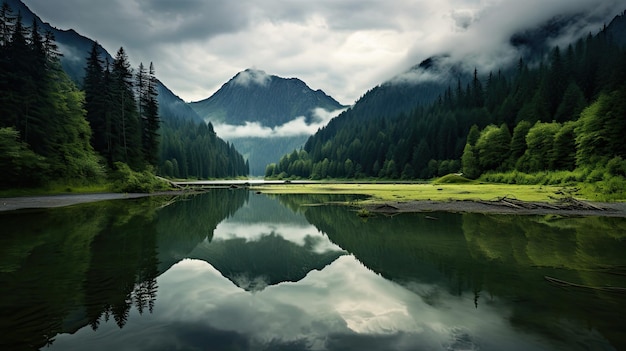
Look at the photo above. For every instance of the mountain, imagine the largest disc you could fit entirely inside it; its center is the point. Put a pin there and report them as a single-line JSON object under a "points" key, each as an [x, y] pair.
{"points": [[285, 111], [254, 96], [75, 48], [418, 124], [173, 107]]}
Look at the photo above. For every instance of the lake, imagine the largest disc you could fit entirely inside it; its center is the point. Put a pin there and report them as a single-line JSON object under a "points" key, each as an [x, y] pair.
{"points": [[235, 270]]}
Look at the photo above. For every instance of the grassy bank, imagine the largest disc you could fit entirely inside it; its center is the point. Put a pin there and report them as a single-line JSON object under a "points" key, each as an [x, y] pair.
{"points": [[58, 189], [432, 191]]}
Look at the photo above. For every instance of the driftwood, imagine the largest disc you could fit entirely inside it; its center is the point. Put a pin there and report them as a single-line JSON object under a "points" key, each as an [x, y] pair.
{"points": [[567, 284], [171, 183], [568, 203], [386, 208]]}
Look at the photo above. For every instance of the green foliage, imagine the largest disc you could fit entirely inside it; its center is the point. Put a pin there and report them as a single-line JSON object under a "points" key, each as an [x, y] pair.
{"points": [[540, 143], [452, 179], [192, 150], [20, 165], [557, 137], [493, 147], [471, 169], [126, 180], [46, 136]]}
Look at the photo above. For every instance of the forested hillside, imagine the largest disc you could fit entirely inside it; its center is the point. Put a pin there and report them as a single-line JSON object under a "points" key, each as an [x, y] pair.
{"points": [[53, 132], [564, 110], [43, 131]]}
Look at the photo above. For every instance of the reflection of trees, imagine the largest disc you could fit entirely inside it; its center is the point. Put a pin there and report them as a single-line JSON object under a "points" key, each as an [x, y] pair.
{"points": [[587, 251], [123, 266], [299, 203], [500, 258], [42, 269], [402, 248], [65, 268]]}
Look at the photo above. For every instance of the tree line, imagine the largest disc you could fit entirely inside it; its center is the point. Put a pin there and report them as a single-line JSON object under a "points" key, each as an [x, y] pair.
{"points": [[44, 135], [127, 127], [52, 131], [121, 107], [548, 113]]}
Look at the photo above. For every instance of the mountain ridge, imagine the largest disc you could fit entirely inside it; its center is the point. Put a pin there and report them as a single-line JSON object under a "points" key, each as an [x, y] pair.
{"points": [[255, 96]]}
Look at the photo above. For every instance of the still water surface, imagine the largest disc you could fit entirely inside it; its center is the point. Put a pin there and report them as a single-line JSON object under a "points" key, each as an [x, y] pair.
{"points": [[233, 270]]}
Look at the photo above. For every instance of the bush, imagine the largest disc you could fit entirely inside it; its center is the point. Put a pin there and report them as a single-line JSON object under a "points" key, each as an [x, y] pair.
{"points": [[453, 179], [125, 180], [616, 167]]}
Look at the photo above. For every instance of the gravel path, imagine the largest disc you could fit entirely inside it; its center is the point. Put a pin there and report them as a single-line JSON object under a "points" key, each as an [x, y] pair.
{"points": [[30, 202]]}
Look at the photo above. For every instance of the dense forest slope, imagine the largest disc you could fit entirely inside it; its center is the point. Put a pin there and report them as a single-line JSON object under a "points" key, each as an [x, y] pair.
{"points": [[562, 110], [71, 112]]}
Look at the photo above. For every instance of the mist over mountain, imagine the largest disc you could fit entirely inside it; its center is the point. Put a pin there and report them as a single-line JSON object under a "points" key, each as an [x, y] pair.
{"points": [[266, 116], [254, 96], [416, 124]]}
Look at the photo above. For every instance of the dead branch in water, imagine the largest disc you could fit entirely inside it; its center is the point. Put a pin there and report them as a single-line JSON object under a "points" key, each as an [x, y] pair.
{"points": [[564, 283]]}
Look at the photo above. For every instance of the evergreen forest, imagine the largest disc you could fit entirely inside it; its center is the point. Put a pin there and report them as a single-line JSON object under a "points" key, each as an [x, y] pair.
{"points": [[553, 119], [53, 132]]}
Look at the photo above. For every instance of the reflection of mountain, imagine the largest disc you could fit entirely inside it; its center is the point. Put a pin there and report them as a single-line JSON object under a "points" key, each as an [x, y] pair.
{"points": [[265, 243], [185, 224], [270, 260], [262, 209], [495, 258]]}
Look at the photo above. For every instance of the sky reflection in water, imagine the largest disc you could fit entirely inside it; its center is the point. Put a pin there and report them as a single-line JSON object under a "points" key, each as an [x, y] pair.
{"points": [[342, 306]]}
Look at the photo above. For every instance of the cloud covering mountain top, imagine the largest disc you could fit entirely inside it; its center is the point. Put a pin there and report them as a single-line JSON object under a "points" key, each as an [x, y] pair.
{"points": [[343, 47]]}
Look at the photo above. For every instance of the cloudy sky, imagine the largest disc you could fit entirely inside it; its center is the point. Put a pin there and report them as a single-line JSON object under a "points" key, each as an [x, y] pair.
{"points": [[343, 47]]}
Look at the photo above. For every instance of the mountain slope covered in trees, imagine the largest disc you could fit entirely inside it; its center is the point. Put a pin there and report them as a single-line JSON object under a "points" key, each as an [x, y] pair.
{"points": [[52, 131], [560, 111]]}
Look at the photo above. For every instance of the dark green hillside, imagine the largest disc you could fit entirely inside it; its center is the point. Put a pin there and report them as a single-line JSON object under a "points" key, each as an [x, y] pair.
{"points": [[54, 133], [529, 120]]}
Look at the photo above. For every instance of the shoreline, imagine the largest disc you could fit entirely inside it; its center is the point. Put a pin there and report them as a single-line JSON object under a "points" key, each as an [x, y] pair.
{"points": [[596, 209], [377, 206], [53, 201]]}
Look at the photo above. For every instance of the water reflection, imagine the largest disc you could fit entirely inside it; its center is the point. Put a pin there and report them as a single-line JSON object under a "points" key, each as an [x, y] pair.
{"points": [[241, 271], [63, 269], [264, 244]]}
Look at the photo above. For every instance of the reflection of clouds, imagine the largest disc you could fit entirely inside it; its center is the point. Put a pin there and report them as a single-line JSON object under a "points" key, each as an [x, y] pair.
{"points": [[302, 235], [343, 307], [344, 302]]}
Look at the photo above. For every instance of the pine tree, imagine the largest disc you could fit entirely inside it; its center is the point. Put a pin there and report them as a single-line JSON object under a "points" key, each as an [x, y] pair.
{"points": [[127, 131], [93, 85], [150, 118]]}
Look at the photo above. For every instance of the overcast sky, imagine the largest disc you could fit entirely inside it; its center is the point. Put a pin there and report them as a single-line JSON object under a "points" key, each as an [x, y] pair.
{"points": [[343, 47]]}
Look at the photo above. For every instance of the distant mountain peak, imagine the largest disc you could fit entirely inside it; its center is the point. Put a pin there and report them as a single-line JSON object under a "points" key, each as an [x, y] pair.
{"points": [[253, 95]]}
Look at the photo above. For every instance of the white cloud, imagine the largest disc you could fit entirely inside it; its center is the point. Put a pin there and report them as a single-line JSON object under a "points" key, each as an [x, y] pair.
{"points": [[252, 76], [344, 306], [295, 127], [342, 47]]}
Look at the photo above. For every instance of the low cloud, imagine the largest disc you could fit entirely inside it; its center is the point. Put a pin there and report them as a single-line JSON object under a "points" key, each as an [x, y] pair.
{"points": [[296, 127], [342, 47], [252, 76]]}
